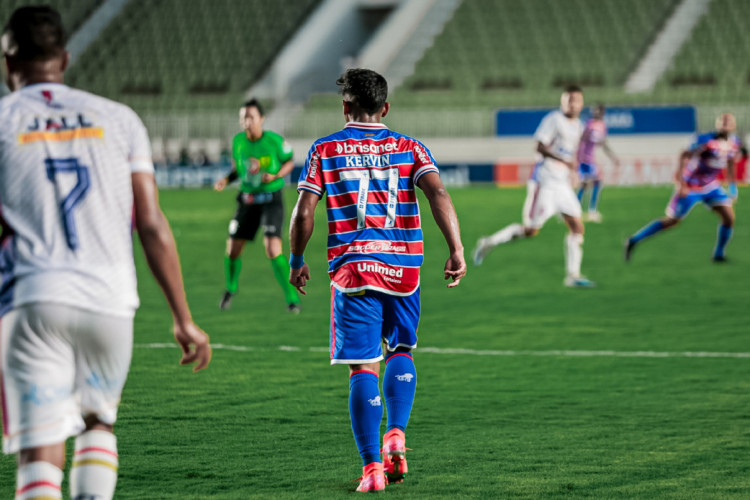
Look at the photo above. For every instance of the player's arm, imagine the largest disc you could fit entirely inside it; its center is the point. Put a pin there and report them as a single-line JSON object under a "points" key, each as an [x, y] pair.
{"points": [[300, 230], [610, 154], [545, 151], [447, 220], [228, 179], [682, 162], [161, 255]]}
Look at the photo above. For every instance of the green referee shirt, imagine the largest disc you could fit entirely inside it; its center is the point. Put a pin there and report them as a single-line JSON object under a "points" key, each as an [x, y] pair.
{"points": [[253, 158]]}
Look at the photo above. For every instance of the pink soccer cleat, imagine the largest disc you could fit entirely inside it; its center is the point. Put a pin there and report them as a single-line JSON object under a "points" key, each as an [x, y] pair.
{"points": [[394, 456], [373, 478]]}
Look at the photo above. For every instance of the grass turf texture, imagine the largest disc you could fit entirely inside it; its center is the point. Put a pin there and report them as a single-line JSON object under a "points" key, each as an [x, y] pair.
{"points": [[271, 423]]}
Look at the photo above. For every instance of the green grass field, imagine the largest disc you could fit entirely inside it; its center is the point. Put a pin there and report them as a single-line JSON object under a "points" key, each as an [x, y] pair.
{"points": [[505, 418]]}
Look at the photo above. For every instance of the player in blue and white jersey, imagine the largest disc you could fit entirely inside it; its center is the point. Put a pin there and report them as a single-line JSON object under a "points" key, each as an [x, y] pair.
{"points": [[697, 181], [76, 177], [550, 189]]}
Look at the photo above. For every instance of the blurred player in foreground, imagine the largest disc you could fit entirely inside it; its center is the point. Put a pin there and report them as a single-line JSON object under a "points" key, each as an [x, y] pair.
{"points": [[550, 191], [75, 176], [260, 160], [369, 174], [697, 180], [594, 134]]}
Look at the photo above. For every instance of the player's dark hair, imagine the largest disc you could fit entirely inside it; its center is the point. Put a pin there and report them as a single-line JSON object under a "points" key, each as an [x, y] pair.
{"points": [[573, 88], [255, 103], [367, 89], [35, 33]]}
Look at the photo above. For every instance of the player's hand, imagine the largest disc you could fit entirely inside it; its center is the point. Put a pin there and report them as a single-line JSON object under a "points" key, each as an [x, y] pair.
{"points": [[220, 184], [299, 278], [455, 269], [267, 177], [194, 344]]}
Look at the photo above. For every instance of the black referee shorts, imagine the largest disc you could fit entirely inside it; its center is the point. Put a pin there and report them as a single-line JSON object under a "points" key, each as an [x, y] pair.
{"points": [[253, 211]]}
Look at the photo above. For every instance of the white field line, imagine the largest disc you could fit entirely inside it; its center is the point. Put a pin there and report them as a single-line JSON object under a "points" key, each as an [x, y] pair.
{"points": [[475, 352]]}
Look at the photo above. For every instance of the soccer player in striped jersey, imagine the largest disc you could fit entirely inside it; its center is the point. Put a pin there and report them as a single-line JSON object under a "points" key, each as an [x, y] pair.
{"points": [[549, 191], [594, 134], [697, 181], [368, 174], [75, 177]]}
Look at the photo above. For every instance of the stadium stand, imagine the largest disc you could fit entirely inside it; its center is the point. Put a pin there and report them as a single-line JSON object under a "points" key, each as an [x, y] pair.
{"points": [[73, 12], [519, 54], [183, 55], [519, 49], [713, 66]]}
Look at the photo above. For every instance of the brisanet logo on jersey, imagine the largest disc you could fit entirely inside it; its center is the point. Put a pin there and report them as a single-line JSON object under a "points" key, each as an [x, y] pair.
{"points": [[346, 148]]}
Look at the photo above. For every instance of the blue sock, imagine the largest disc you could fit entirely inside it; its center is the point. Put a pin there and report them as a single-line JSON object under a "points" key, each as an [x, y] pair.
{"points": [[725, 233], [595, 192], [580, 192], [399, 386], [649, 230], [366, 412]]}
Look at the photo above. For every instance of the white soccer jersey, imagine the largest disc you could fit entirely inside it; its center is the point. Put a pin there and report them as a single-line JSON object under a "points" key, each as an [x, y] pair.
{"points": [[562, 136], [66, 158]]}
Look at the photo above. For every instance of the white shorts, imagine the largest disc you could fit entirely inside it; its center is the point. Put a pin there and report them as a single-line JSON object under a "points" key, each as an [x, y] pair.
{"points": [[545, 200], [58, 365]]}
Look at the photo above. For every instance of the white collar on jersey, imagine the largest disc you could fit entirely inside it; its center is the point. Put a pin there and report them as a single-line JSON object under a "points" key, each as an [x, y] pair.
{"points": [[366, 125]]}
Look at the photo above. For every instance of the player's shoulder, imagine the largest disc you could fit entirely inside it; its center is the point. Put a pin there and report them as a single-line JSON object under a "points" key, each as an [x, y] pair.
{"points": [[339, 136], [273, 136], [704, 137], [553, 115], [104, 105]]}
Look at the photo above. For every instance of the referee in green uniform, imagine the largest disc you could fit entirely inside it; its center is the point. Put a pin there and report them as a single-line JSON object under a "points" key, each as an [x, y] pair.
{"points": [[260, 160]]}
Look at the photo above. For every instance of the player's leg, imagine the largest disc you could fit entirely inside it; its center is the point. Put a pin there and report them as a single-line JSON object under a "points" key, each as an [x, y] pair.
{"points": [[724, 233], [513, 231], [581, 191], [243, 227], [272, 221], [104, 346], [566, 204], [596, 190], [356, 325], [677, 209], [574, 253], [95, 462], [400, 324], [40, 410]]}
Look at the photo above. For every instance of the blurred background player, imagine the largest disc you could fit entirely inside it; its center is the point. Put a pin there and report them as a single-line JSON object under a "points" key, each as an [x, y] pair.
{"points": [[697, 180], [75, 174], [260, 160], [550, 191], [369, 174], [594, 134]]}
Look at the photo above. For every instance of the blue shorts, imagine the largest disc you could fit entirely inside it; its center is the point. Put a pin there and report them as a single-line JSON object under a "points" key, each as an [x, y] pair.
{"points": [[360, 322], [678, 207], [588, 172]]}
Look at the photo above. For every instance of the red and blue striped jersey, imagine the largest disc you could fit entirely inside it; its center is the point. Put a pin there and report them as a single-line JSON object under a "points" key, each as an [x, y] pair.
{"points": [[712, 153], [368, 174]]}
